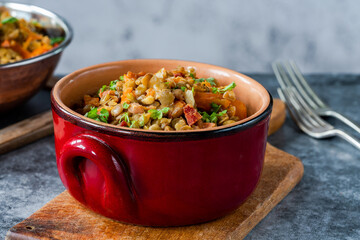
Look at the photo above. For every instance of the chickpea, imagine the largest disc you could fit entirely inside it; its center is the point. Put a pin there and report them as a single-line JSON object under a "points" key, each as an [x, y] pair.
{"points": [[155, 127], [228, 122], [148, 100]]}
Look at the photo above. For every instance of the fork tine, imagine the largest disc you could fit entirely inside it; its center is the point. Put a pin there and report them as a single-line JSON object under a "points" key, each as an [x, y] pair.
{"points": [[281, 75], [284, 82], [299, 87], [294, 113], [312, 115], [301, 120], [304, 112], [304, 87]]}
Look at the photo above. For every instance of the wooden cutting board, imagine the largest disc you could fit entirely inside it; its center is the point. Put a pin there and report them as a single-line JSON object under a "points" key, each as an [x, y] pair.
{"points": [[65, 218]]}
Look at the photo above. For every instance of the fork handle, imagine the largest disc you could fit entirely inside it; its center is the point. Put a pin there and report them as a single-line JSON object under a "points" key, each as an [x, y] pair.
{"points": [[342, 118], [348, 138]]}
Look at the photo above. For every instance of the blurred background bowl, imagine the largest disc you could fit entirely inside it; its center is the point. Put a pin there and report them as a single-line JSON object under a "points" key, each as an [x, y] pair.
{"points": [[22, 79]]}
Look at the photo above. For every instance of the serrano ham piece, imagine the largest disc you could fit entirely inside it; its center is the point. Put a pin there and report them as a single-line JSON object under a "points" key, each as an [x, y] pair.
{"points": [[191, 114]]}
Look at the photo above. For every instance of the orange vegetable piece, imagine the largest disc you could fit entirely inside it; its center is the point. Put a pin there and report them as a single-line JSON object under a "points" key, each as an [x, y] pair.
{"points": [[5, 44], [241, 110], [204, 99]]}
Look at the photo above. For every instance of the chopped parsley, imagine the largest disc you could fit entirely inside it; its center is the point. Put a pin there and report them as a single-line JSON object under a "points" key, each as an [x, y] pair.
{"points": [[125, 117], [215, 107], [133, 124], [215, 90], [121, 78], [213, 117], [209, 80], [102, 89], [101, 116], [192, 75], [229, 87], [112, 85], [9, 20], [158, 114], [142, 120], [56, 40], [125, 105], [183, 88]]}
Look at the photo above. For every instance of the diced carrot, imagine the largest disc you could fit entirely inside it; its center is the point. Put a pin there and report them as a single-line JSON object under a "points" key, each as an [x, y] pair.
{"points": [[191, 114], [130, 75], [5, 43], [38, 51], [124, 97], [101, 94], [142, 73], [206, 83], [19, 49], [150, 91], [241, 110], [204, 99], [27, 42]]}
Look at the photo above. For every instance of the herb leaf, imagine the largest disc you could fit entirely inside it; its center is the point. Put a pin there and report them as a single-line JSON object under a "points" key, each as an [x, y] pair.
{"points": [[56, 40], [158, 114], [209, 80], [215, 90], [122, 78], [104, 115], [229, 87], [125, 117], [125, 105], [183, 88], [112, 85], [214, 107], [101, 116], [214, 115], [9, 20], [102, 89]]}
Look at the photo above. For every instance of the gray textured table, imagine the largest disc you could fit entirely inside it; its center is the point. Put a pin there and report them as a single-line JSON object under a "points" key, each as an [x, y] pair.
{"points": [[325, 204]]}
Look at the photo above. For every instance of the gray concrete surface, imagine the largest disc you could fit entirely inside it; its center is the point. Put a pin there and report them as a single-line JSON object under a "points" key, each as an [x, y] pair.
{"points": [[324, 205], [322, 36]]}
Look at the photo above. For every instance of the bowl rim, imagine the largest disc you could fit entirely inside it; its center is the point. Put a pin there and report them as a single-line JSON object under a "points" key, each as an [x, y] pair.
{"points": [[155, 135], [42, 11]]}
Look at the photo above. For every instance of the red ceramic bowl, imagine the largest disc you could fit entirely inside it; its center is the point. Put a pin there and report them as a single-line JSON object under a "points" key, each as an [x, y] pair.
{"points": [[158, 178]]}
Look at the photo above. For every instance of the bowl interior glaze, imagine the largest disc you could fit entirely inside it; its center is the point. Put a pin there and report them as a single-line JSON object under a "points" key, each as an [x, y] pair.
{"points": [[71, 89]]}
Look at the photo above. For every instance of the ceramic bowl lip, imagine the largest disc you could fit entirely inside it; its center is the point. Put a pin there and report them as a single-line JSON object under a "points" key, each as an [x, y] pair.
{"points": [[40, 11], [140, 134]]}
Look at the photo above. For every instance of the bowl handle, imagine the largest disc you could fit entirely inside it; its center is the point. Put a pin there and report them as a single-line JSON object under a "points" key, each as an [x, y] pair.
{"points": [[118, 196]]}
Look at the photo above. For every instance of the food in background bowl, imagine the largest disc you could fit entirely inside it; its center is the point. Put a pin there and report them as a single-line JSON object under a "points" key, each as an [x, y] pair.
{"points": [[165, 100], [21, 77], [21, 39], [159, 178]]}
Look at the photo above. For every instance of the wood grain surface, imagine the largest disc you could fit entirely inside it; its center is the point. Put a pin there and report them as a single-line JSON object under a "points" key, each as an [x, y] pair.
{"points": [[26, 131], [65, 218], [278, 116]]}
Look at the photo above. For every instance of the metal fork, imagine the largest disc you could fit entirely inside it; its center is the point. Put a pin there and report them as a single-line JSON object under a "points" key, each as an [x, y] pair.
{"points": [[308, 121], [298, 81]]}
